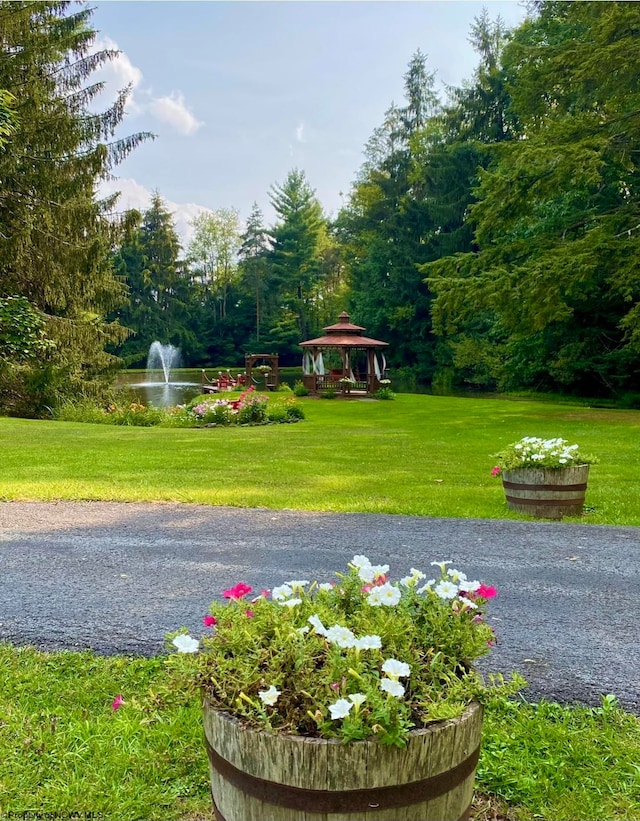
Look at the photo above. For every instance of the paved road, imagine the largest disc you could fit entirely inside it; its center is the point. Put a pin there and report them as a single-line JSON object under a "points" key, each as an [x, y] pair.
{"points": [[117, 577]]}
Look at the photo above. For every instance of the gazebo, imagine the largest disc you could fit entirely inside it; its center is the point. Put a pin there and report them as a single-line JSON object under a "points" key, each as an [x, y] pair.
{"points": [[358, 362]]}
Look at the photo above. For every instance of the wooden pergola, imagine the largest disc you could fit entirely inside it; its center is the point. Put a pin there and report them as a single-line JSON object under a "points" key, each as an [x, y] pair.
{"points": [[363, 363], [272, 379]]}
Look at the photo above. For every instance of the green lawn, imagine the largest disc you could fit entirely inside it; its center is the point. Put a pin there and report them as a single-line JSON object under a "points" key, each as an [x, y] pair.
{"points": [[420, 455]]}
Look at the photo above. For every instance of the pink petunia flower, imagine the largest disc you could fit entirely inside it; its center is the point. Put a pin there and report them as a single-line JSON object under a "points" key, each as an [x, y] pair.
{"points": [[118, 701], [496, 471], [237, 592], [249, 614], [209, 621], [485, 592]]}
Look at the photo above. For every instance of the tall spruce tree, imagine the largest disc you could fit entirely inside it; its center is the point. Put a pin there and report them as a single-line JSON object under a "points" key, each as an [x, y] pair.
{"points": [[384, 227], [158, 306], [294, 257], [254, 249], [56, 238]]}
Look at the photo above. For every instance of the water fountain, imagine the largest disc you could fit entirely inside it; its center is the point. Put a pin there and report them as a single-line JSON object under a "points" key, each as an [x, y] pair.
{"points": [[160, 388], [164, 358]]}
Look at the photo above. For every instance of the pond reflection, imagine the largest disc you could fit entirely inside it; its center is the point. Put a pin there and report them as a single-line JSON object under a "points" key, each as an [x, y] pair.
{"points": [[184, 386]]}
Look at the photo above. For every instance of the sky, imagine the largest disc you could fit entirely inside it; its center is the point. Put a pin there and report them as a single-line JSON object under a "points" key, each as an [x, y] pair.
{"points": [[240, 93]]}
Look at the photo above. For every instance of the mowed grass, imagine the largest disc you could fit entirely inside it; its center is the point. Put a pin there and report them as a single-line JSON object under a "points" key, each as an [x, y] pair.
{"points": [[65, 750], [419, 455]]}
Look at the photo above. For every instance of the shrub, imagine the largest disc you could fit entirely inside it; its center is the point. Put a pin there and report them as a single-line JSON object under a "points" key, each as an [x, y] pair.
{"points": [[252, 409], [328, 394], [384, 393], [300, 389]]}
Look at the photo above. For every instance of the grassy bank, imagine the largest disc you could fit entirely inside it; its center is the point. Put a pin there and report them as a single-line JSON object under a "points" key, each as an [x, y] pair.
{"points": [[420, 455], [66, 750]]}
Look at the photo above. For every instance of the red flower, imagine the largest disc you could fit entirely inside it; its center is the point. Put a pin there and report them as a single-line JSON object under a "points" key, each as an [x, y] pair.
{"points": [[237, 592], [485, 592], [117, 702], [209, 621], [496, 471], [249, 614]]}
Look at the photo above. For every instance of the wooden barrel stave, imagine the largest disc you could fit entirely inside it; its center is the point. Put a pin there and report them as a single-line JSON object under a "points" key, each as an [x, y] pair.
{"points": [[439, 753]]}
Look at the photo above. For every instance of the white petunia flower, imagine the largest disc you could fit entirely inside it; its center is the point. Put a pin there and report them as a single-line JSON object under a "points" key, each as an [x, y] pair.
{"points": [[441, 565], [426, 587], [282, 592], [366, 573], [269, 696], [368, 643], [468, 603], [360, 561], [325, 586], [394, 688], [470, 587], [446, 590], [412, 579], [298, 584], [302, 630], [385, 594], [318, 626], [456, 575], [358, 698], [341, 708], [341, 636], [290, 602], [396, 669], [185, 644]]}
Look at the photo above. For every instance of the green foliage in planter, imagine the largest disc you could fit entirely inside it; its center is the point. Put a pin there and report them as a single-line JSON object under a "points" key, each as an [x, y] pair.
{"points": [[534, 452], [391, 656]]}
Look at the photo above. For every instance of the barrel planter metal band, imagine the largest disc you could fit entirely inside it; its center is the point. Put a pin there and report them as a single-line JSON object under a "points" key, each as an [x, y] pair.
{"points": [[546, 493], [257, 776], [219, 817]]}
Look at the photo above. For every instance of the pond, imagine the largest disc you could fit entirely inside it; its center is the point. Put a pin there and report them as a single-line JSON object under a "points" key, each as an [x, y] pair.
{"points": [[151, 389]]}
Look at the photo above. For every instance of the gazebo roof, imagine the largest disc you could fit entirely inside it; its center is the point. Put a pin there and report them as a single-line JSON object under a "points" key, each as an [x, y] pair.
{"points": [[344, 335]]}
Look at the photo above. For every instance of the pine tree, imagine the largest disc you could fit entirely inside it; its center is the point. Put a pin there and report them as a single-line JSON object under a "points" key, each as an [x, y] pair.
{"points": [[159, 291], [254, 249], [295, 243], [56, 238]]}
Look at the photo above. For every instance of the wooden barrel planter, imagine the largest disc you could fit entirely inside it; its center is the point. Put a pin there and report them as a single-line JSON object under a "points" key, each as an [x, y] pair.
{"points": [[259, 776], [546, 493]]}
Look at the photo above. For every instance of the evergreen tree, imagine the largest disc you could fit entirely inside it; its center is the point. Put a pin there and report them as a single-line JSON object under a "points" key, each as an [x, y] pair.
{"points": [[384, 227], [253, 253], [159, 291], [557, 218], [56, 239], [294, 257]]}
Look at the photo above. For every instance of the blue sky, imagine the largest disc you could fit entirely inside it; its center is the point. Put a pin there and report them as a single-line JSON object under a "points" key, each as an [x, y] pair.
{"points": [[239, 93]]}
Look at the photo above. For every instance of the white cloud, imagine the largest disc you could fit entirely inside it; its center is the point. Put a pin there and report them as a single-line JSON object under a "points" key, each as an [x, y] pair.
{"points": [[134, 195], [120, 72], [172, 110], [300, 133], [117, 73]]}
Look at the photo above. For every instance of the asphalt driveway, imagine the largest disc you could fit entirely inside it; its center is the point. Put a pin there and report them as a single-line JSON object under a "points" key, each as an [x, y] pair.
{"points": [[116, 577]]}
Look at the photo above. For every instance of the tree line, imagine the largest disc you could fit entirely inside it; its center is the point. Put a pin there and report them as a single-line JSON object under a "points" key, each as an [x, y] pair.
{"points": [[490, 235]]}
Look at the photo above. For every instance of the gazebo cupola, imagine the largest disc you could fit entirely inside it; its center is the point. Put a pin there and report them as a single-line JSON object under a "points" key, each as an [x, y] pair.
{"points": [[358, 363]]}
